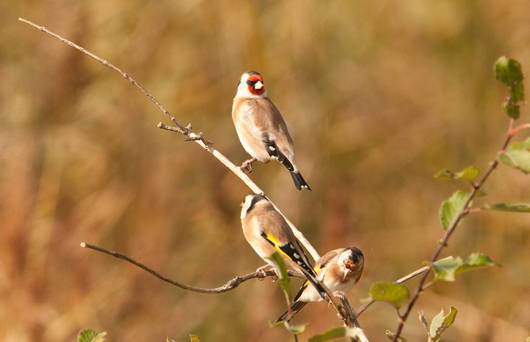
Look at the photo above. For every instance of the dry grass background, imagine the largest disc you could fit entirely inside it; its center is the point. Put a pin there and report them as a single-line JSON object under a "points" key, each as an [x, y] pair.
{"points": [[379, 96]]}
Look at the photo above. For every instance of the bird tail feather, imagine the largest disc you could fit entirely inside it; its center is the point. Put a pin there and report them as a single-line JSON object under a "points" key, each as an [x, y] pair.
{"points": [[295, 308], [316, 284], [299, 181]]}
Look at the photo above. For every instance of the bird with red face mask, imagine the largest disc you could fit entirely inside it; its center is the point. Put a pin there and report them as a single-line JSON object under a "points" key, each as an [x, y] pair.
{"points": [[338, 270], [261, 128]]}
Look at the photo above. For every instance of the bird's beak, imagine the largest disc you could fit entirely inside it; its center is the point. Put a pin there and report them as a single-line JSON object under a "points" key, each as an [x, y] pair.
{"points": [[258, 85], [350, 265]]}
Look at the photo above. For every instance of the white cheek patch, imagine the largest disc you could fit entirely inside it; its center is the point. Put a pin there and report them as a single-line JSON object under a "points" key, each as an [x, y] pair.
{"points": [[342, 261], [245, 206], [258, 85]]}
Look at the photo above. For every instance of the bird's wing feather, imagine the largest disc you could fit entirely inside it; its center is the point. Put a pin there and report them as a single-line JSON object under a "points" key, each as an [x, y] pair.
{"points": [[277, 232], [320, 269]]}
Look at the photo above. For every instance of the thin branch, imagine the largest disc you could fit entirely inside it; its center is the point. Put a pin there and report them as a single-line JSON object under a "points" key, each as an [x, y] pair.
{"points": [[179, 128], [347, 315], [420, 287], [192, 136], [401, 280], [472, 210], [412, 275], [514, 131], [229, 285]]}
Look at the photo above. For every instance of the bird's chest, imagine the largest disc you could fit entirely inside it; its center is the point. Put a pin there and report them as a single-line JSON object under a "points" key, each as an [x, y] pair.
{"points": [[249, 131]]}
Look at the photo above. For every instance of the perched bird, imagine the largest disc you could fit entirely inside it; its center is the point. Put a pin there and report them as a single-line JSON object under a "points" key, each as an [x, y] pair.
{"points": [[267, 232], [261, 128], [338, 270]]}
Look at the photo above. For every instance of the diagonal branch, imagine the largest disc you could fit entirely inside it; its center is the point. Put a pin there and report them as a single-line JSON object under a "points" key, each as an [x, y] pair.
{"points": [[201, 141], [179, 128], [229, 285], [401, 280]]}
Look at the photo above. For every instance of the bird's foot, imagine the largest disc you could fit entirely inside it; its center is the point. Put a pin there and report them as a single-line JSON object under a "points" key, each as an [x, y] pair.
{"points": [[246, 166], [340, 294], [263, 272]]}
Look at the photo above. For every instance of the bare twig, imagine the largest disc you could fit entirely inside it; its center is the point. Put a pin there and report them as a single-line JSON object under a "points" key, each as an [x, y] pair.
{"points": [[421, 284], [412, 275], [179, 128], [401, 280], [514, 131], [191, 136], [229, 285], [347, 315]]}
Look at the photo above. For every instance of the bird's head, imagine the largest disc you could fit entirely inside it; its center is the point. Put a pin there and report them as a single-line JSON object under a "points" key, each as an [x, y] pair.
{"points": [[250, 203], [352, 260], [251, 85]]}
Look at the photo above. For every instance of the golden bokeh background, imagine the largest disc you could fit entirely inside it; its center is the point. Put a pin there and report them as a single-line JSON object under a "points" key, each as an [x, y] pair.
{"points": [[379, 96]]}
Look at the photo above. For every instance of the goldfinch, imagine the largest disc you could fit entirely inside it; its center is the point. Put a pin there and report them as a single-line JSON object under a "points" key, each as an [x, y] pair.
{"points": [[261, 128], [267, 232], [338, 270]]}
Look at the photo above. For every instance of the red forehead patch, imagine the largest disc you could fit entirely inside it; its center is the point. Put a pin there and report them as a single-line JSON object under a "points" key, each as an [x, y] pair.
{"points": [[255, 78]]}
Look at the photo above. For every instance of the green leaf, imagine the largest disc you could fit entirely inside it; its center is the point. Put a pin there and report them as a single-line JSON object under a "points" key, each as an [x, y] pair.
{"points": [[517, 207], [329, 335], [512, 109], [86, 335], [446, 268], [294, 329], [469, 173], [390, 336], [517, 92], [517, 155], [285, 282], [89, 335], [445, 173], [194, 338], [440, 323], [338, 332], [476, 260], [508, 70], [452, 207], [394, 294]]}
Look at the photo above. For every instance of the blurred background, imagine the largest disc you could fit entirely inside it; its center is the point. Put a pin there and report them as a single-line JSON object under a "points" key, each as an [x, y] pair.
{"points": [[379, 96]]}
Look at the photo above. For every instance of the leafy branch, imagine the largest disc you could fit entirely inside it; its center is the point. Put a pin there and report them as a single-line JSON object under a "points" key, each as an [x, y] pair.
{"points": [[458, 206]]}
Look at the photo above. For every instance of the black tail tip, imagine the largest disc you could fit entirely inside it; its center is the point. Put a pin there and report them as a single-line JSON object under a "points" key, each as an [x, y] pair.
{"points": [[299, 181], [295, 308], [281, 318]]}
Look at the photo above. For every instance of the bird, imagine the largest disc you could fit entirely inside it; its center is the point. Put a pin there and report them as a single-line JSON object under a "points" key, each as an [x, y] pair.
{"points": [[338, 270], [261, 127], [267, 232]]}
